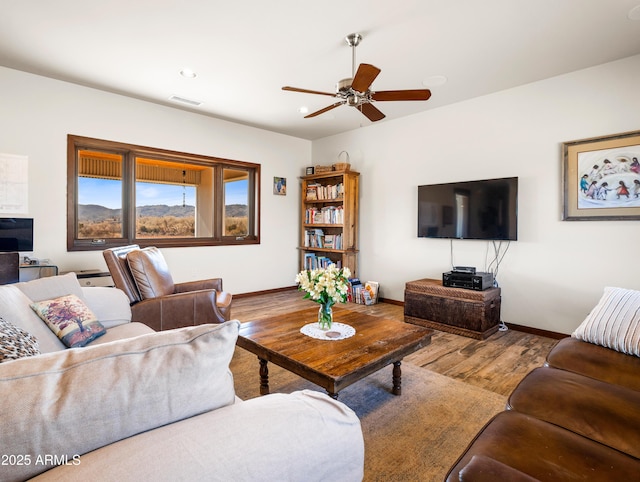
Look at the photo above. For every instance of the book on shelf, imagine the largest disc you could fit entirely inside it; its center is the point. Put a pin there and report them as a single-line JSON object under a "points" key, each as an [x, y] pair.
{"points": [[328, 241], [311, 261], [312, 192], [329, 192], [325, 215], [314, 238]]}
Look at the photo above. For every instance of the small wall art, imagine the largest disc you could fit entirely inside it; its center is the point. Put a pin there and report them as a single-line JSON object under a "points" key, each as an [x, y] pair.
{"points": [[280, 186], [601, 178]]}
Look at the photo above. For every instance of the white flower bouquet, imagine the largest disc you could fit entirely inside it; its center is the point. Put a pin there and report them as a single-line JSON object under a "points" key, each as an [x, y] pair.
{"points": [[326, 286]]}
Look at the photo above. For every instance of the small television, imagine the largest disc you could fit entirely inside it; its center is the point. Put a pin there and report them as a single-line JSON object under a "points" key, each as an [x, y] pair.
{"points": [[16, 234], [485, 209]]}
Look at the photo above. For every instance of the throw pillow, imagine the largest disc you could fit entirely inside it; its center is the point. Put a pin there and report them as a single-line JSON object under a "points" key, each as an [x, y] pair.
{"points": [[15, 342], [75, 401], [614, 322], [70, 319], [51, 287], [150, 272]]}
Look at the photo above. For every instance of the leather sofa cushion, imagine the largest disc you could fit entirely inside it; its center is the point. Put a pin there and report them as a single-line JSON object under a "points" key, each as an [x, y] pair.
{"points": [[603, 412], [150, 272], [546, 452], [485, 469], [596, 362], [74, 401]]}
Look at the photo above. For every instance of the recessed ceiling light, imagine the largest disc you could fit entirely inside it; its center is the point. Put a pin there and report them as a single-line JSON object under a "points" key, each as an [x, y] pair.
{"points": [[303, 110], [188, 74], [634, 13], [434, 81]]}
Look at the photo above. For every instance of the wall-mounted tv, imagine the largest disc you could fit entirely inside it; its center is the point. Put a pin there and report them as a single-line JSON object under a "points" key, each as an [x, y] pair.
{"points": [[16, 234], [485, 209]]}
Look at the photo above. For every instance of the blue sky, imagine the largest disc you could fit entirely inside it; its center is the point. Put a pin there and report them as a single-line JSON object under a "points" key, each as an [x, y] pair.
{"points": [[107, 193]]}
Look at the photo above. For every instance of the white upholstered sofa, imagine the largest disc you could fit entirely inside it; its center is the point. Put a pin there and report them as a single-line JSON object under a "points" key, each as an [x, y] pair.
{"points": [[134, 404]]}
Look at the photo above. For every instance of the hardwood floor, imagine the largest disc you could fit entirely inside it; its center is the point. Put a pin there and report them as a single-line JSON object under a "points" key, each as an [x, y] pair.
{"points": [[496, 364]]}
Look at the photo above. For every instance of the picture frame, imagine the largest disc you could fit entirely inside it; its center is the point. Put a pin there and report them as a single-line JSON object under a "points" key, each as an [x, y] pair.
{"points": [[280, 186], [601, 178]]}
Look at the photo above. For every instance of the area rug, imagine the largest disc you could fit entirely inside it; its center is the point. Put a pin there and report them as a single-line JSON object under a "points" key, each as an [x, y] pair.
{"points": [[416, 436]]}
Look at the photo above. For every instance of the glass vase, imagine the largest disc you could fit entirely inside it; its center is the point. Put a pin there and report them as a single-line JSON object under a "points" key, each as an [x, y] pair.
{"points": [[325, 316]]}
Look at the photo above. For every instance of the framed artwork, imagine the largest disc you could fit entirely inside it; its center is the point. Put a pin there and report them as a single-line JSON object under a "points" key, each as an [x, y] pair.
{"points": [[601, 178], [280, 186]]}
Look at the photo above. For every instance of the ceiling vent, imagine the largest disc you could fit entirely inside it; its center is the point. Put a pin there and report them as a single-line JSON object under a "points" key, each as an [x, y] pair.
{"points": [[182, 100]]}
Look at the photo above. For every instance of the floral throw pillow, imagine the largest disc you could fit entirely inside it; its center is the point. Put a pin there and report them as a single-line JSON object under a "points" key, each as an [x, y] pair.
{"points": [[70, 319], [15, 342]]}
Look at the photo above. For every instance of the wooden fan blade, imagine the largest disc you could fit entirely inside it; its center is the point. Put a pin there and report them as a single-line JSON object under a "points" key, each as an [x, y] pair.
{"points": [[306, 91], [418, 94], [322, 111], [372, 112], [365, 76]]}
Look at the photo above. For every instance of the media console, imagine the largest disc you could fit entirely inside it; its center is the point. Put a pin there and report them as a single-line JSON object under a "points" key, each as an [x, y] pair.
{"points": [[460, 311]]}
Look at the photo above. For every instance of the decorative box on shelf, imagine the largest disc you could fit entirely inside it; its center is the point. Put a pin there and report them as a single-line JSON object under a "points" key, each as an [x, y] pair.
{"points": [[465, 312]]}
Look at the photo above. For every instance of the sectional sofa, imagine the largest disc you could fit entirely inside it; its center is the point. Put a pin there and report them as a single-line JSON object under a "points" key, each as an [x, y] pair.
{"points": [[89, 395], [577, 417]]}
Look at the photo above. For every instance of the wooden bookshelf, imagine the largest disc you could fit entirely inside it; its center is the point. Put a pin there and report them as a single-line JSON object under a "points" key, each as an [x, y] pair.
{"points": [[329, 219]]}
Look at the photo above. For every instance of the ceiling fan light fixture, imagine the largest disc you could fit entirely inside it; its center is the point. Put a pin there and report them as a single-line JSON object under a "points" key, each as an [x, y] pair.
{"points": [[356, 90]]}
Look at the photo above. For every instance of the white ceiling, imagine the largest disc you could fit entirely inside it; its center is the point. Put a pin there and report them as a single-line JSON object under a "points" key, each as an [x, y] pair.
{"points": [[244, 51]]}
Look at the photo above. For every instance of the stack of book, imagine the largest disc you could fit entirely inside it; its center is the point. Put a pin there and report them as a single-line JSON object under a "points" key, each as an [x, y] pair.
{"points": [[311, 261], [363, 294], [318, 192], [325, 215]]}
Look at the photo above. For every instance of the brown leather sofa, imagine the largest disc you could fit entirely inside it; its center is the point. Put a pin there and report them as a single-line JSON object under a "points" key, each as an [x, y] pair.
{"points": [[156, 300], [576, 418]]}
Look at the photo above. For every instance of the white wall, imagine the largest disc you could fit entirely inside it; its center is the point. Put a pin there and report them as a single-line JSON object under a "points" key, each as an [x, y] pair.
{"points": [[37, 114], [554, 274]]}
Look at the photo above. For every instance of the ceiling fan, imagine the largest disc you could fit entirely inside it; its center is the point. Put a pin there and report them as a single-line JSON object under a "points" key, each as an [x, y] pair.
{"points": [[355, 91]]}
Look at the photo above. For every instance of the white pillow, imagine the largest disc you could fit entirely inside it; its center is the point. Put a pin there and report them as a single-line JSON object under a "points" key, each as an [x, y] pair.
{"points": [[614, 322], [74, 401]]}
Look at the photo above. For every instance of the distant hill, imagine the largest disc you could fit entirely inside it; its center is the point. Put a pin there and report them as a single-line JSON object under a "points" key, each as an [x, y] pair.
{"points": [[236, 210], [161, 210], [97, 213]]}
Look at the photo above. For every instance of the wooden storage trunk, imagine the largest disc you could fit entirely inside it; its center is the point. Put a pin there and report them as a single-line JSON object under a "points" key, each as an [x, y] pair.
{"points": [[475, 314]]}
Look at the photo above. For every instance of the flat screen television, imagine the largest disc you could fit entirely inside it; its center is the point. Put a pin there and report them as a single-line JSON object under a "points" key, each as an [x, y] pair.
{"points": [[485, 209], [16, 234]]}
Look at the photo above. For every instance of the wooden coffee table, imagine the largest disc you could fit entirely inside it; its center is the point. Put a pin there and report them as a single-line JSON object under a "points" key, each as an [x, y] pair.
{"points": [[331, 364]]}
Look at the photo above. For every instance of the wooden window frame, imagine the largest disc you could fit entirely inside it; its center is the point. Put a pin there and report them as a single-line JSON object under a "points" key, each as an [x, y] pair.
{"points": [[129, 154]]}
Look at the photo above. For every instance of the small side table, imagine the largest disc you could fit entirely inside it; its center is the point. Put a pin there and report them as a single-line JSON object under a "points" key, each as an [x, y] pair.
{"points": [[475, 314], [93, 277], [30, 272]]}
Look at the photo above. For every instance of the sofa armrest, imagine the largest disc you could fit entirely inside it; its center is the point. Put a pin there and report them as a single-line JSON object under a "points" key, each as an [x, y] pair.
{"points": [[205, 284], [302, 436], [110, 305], [179, 310]]}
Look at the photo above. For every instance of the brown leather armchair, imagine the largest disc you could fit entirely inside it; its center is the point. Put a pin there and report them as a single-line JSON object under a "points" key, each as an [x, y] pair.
{"points": [[155, 299]]}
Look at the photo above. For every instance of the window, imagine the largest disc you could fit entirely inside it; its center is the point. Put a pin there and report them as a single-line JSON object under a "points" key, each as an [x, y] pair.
{"points": [[124, 194]]}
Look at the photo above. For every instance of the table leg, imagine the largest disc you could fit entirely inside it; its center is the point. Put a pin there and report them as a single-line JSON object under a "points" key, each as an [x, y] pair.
{"points": [[397, 378], [332, 395], [264, 377]]}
